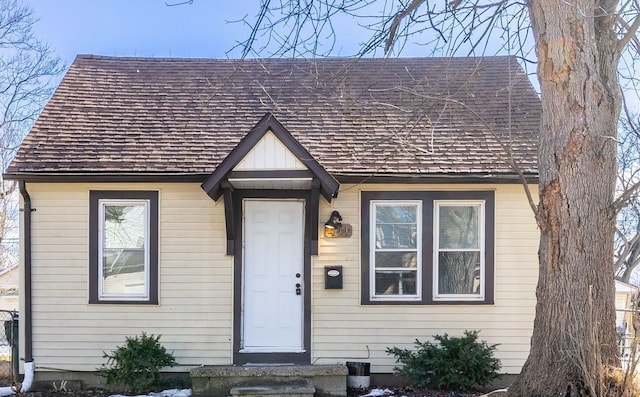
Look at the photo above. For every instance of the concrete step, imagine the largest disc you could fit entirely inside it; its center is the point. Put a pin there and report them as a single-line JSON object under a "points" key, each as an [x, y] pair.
{"points": [[217, 381], [301, 388]]}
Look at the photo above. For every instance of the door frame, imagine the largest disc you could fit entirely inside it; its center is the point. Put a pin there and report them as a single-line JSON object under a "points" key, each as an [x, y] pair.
{"points": [[271, 358]]}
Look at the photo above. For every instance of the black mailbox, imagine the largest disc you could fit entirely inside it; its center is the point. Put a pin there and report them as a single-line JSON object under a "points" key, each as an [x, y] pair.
{"points": [[333, 277]]}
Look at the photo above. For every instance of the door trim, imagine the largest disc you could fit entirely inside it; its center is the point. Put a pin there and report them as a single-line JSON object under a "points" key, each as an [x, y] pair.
{"points": [[271, 358]]}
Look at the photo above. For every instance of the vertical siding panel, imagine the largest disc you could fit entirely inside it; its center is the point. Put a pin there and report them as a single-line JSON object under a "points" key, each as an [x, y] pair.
{"points": [[269, 154], [272, 157]]}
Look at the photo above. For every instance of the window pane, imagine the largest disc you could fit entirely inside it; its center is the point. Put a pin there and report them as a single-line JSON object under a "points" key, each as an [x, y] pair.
{"points": [[396, 259], [459, 227], [459, 272], [118, 261], [123, 252], [125, 283], [396, 226], [395, 254], [124, 226], [396, 283], [396, 213]]}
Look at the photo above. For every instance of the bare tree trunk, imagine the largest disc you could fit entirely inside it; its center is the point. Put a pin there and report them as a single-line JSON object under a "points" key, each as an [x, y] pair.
{"points": [[573, 337]]}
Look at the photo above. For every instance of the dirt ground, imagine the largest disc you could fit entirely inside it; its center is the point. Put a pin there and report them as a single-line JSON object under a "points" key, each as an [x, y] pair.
{"points": [[352, 393], [408, 392]]}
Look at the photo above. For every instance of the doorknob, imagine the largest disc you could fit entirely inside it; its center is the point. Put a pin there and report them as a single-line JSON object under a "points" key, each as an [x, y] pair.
{"points": [[298, 289]]}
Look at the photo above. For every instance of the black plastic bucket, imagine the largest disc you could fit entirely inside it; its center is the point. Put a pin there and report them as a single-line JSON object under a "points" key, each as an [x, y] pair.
{"points": [[359, 374]]}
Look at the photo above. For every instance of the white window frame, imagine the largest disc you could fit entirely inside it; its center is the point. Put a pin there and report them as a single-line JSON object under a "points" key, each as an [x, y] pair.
{"points": [[437, 296], [372, 248], [145, 296]]}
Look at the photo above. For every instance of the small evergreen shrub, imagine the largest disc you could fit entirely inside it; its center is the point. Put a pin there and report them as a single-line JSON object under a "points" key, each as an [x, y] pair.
{"points": [[455, 363], [137, 364]]}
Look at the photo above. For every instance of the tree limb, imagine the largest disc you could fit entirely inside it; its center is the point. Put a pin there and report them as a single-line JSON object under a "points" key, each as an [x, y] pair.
{"points": [[626, 196], [630, 34], [397, 19]]}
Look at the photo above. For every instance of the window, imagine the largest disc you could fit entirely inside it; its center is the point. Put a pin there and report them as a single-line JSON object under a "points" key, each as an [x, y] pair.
{"points": [[458, 248], [124, 247], [396, 252], [427, 247]]}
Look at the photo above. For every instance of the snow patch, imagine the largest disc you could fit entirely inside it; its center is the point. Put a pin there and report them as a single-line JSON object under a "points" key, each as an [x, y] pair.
{"points": [[378, 393], [164, 393]]}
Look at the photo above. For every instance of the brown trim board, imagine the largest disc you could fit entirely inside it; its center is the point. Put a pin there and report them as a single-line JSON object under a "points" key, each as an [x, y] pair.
{"points": [[94, 197]]}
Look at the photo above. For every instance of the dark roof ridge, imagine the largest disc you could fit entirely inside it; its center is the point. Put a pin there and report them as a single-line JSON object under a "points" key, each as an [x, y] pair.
{"points": [[330, 58]]}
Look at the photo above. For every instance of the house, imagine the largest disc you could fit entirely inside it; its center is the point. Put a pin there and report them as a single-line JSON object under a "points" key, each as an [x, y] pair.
{"points": [[626, 307], [189, 197], [9, 289]]}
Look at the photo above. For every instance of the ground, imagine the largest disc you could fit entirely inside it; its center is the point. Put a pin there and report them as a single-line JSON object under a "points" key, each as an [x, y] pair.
{"points": [[406, 391], [377, 391], [79, 393]]}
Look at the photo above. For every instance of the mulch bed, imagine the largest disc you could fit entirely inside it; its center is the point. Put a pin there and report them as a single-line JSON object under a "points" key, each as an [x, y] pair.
{"points": [[374, 390], [397, 392], [407, 391], [78, 393]]}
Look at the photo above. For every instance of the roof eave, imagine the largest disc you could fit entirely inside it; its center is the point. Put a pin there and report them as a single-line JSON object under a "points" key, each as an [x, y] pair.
{"points": [[341, 177], [70, 177], [411, 178]]}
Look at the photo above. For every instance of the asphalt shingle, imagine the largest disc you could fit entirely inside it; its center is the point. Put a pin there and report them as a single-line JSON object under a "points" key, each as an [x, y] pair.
{"points": [[114, 115]]}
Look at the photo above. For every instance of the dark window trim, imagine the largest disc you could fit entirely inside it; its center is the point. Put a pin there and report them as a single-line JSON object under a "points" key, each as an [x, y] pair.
{"points": [[428, 198], [94, 198]]}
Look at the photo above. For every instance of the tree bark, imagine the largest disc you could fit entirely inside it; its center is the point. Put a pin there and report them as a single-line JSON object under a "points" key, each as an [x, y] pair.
{"points": [[574, 339]]}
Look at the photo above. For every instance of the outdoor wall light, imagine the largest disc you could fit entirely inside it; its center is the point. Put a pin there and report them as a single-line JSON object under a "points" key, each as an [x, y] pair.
{"points": [[334, 221], [335, 228]]}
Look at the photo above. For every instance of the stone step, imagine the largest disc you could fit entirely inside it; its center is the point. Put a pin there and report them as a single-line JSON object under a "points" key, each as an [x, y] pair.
{"points": [[218, 380], [301, 388]]}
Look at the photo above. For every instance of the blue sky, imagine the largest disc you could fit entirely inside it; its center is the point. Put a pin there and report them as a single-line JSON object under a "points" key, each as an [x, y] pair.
{"points": [[141, 27], [150, 28], [146, 27]]}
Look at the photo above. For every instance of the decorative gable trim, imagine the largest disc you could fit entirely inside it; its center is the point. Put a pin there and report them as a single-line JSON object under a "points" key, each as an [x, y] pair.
{"points": [[270, 125]]}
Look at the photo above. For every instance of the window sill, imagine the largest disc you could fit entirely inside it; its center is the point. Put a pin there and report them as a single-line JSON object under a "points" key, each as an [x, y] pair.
{"points": [[122, 301], [409, 300], [433, 302]]}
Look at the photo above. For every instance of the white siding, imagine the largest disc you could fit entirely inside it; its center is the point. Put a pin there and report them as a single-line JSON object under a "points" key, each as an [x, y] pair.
{"points": [[345, 330], [194, 316], [269, 154]]}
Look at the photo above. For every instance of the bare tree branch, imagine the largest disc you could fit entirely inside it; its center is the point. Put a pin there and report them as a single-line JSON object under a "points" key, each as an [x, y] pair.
{"points": [[180, 3], [29, 70], [630, 35], [397, 19]]}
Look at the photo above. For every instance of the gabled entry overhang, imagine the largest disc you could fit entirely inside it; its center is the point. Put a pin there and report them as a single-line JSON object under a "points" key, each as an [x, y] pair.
{"points": [[294, 170], [270, 158]]}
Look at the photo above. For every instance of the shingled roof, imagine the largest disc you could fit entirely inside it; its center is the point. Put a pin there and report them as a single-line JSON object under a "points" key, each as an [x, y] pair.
{"points": [[179, 118]]}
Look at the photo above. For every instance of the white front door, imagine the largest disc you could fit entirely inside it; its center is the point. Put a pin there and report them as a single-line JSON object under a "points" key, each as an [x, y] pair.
{"points": [[273, 252]]}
